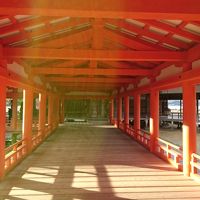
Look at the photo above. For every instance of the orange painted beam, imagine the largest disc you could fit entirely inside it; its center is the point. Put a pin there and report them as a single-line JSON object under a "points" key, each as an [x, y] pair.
{"points": [[133, 43], [78, 54], [145, 32], [71, 39], [90, 71], [89, 80], [176, 9]]}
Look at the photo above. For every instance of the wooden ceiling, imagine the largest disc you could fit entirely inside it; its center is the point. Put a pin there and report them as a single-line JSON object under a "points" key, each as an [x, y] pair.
{"points": [[92, 45]]}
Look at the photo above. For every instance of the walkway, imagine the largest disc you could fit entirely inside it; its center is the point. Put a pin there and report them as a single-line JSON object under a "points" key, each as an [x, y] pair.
{"points": [[95, 162]]}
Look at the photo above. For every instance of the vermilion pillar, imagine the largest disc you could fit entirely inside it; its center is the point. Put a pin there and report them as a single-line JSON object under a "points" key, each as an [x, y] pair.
{"points": [[14, 112], [136, 112], [119, 110], [126, 113], [2, 128], [62, 110], [50, 111], [154, 119], [27, 118], [42, 112], [111, 110], [189, 125]]}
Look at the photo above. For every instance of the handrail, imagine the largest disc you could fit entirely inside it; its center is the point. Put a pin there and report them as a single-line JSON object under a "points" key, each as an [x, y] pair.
{"points": [[170, 152], [14, 153], [195, 164]]}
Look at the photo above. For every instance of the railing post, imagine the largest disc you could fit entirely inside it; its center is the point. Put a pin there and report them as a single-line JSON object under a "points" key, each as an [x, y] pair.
{"points": [[2, 128], [42, 113], [189, 125], [126, 114], [136, 113], [154, 119], [27, 118]]}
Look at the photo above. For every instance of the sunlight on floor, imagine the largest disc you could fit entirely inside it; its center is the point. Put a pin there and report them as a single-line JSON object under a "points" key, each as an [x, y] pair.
{"points": [[26, 194], [85, 177], [41, 174]]}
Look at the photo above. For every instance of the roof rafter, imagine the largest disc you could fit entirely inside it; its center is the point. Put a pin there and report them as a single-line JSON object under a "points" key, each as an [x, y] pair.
{"points": [[181, 9]]}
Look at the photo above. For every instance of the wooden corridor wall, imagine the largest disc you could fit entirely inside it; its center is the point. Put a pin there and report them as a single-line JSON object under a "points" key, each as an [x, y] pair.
{"points": [[101, 50]]}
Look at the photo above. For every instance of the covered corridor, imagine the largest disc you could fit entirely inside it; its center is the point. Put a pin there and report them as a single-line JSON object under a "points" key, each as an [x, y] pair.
{"points": [[95, 161], [66, 64]]}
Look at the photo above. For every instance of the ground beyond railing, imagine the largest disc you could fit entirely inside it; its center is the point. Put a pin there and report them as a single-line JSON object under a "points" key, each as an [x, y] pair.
{"points": [[16, 152], [164, 149]]}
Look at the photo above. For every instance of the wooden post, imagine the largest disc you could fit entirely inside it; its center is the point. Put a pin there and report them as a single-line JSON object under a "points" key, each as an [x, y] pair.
{"points": [[2, 129], [14, 112], [42, 113], [111, 110], [50, 111], [126, 112], [119, 111], [27, 118], [136, 112], [189, 125], [62, 110], [154, 119]]}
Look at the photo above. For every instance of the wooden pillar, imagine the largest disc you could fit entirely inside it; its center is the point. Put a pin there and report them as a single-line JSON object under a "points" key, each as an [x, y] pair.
{"points": [[62, 110], [136, 112], [50, 112], [119, 111], [154, 119], [27, 118], [42, 113], [126, 112], [189, 125], [111, 110], [14, 112], [102, 108], [2, 129]]}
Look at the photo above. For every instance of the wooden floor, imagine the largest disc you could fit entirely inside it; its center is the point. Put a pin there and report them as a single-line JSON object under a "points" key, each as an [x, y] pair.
{"points": [[93, 162]]}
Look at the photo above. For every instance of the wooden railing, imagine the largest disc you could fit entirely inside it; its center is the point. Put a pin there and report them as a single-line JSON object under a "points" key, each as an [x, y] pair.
{"points": [[13, 154], [195, 166], [143, 138], [170, 152], [121, 125], [130, 131]]}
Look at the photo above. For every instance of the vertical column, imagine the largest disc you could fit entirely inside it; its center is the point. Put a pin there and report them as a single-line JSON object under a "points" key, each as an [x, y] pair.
{"points": [[2, 128], [50, 112], [111, 110], [119, 110], [126, 110], [136, 112], [189, 125], [42, 113], [154, 119], [62, 110], [14, 112], [27, 118], [102, 108]]}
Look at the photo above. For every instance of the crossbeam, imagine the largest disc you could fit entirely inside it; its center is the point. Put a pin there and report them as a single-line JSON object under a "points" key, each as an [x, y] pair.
{"points": [[91, 71], [89, 80], [138, 9], [79, 54]]}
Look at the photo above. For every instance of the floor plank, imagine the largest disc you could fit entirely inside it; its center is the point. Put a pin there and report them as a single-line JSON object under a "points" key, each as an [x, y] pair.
{"points": [[91, 161]]}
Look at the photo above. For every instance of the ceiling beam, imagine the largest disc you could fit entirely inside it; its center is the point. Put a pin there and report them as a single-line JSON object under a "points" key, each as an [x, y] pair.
{"points": [[91, 71], [78, 54], [138, 9], [90, 80]]}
